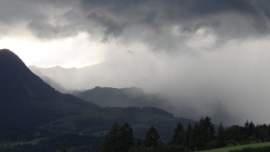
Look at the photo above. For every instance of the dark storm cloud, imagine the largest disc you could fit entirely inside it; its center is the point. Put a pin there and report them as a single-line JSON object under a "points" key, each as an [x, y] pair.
{"points": [[250, 16], [48, 18]]}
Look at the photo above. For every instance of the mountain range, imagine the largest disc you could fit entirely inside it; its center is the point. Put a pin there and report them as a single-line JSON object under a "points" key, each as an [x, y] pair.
{"points": [[58, 78], [30, 107], [82, 78], [121, 97]]}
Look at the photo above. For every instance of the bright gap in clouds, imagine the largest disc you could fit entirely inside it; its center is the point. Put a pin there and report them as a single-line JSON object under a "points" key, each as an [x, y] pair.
{"points": [[75, 51]]}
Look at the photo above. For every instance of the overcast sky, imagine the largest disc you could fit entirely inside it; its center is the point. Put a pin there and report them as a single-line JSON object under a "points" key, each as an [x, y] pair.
{"points": [[75, 33], [207, 50]]}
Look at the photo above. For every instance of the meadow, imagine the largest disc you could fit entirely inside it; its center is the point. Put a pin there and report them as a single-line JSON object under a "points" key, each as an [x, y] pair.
{"points": [[239, 147]]}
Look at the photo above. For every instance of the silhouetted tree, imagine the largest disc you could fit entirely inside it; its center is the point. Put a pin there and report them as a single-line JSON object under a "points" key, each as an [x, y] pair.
{"points": [[179, 136], [152, 138], [250, 129], [262, 132], [126, 136], [221, 136], [203, 133], [189, 137], [119, 139]]}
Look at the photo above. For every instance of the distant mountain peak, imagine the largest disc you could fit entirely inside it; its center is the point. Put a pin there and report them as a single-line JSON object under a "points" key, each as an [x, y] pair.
{"points": [[16, 77], [7, 52], [9, 58], [4, 50]]}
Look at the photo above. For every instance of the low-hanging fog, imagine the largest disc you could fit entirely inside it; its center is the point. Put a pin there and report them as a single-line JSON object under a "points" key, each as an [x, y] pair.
{"points": [[205, 57], [230, 81]]}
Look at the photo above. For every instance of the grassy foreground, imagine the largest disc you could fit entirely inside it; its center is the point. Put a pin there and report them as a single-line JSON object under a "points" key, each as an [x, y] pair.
{"points": [[228, 149]]}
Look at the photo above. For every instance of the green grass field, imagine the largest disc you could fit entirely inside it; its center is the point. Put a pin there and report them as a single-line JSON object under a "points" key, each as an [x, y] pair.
{"points": [[228, 149]]}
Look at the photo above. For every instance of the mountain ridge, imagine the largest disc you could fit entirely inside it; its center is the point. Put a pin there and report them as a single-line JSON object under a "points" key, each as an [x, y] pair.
{"points": [[27, 101], [120, 97], [29, 106]]}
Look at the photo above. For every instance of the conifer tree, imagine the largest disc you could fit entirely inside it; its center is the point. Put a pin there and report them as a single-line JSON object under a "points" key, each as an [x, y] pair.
{"points": [[152, 138], [179, 136]]}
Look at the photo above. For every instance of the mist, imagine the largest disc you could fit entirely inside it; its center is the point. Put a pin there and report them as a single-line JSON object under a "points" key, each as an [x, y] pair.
{"points": [[228, 82], [204, 57]]}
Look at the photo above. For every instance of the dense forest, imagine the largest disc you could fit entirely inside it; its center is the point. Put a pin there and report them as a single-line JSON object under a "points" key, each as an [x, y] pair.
{"points": [[201, 135]]}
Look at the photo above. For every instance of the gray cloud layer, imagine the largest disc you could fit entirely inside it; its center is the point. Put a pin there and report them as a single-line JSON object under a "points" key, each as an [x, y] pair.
{"points": [[50, 18], [191, 14], [227, 40]]}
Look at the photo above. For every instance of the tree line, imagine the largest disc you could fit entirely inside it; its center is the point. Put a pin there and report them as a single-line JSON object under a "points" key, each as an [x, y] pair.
{"points": [[201, 135]]}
